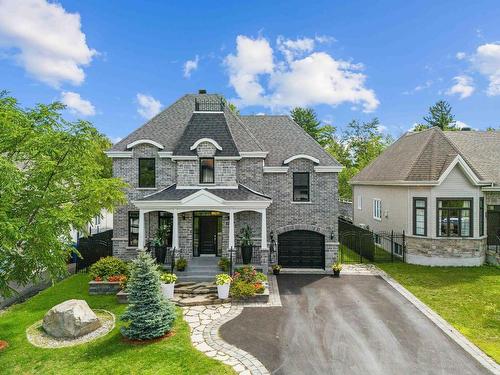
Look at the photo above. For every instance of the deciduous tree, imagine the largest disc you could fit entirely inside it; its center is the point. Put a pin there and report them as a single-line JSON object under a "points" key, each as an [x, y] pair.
{"points": [[52, 179]]}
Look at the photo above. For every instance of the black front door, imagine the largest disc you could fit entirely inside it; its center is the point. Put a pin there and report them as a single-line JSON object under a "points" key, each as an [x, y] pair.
{"points": [[208, 235], [493, 228]]}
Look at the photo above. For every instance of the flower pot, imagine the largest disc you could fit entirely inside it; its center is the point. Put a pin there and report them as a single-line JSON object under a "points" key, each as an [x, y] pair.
{"points": [[167, 290], [223, 291], [276, 272], [336, 273], [246, 254]]}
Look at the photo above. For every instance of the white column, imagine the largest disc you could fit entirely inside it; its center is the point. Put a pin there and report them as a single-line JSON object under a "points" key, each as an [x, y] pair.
{"points": [[231, 229], [140, 244], [175, 230], [263, 240]]}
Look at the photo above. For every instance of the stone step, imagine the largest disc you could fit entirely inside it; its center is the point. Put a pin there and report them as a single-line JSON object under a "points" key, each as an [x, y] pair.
{"points": [[196, 278]]}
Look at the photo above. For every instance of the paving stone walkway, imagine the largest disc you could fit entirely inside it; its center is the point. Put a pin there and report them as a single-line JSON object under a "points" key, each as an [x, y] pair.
{"points": [[205, 321]]}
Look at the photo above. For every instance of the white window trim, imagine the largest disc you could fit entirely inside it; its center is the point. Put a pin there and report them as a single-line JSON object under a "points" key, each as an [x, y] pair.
{"points": [[209, 140], [360, 202], [301, 156], [379, 201]]}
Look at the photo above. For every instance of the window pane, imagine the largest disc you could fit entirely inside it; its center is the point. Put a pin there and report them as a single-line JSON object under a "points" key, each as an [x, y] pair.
{"points": [[453, 220], [420, 221], [301, 187], [147, 173], [443, 222], [420, 203], [207, 170], [133, 228], [465, 223], [301, 179], [300, 194]]}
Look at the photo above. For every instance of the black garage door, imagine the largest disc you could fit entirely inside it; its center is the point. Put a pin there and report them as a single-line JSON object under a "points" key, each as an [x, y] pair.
{"points": [[301, 249]]}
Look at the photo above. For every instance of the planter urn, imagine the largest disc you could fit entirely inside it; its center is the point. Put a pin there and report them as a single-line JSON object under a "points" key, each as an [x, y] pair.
{"points": [[276, 272], [336, 273], [168, 290], [223, 291], [246, 254]]}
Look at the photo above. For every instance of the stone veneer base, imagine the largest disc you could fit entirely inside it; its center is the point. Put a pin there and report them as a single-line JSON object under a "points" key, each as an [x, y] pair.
{"points": [[104, 287]]}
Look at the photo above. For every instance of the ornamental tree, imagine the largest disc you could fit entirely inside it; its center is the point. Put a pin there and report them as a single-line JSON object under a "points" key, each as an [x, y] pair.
{"points": [[52, 179], [148, 314]]}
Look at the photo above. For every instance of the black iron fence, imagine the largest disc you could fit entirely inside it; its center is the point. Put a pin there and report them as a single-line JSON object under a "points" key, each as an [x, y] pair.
{"points": [[210, 105], [360, 245], [93, 248]]}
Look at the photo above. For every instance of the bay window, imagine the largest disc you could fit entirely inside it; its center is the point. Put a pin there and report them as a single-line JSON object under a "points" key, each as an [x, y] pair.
{"points": [[454, 217], [420, 216]]}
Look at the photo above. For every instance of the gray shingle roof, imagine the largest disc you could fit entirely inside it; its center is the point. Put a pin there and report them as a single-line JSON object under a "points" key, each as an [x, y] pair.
{"points": [[168, 126], [283, 138], [424, 156], [242, 193], [207, 125]]}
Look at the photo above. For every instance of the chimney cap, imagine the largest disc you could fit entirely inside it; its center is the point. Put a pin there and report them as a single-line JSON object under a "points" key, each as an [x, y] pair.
{"points": [[202, 91]]}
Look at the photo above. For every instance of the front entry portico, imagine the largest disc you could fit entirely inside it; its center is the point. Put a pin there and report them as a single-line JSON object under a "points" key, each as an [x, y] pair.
{"points": [[203, 215]]}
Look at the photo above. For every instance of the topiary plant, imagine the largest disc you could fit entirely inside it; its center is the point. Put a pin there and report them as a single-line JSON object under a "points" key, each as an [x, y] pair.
{"points": [[148, 314], [107, 267]]}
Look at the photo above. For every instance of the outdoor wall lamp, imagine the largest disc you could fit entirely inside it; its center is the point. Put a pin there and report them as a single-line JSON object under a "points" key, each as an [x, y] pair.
{"points": [[332, 235]]}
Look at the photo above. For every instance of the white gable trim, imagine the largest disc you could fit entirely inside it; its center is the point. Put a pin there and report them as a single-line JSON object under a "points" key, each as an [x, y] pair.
{"points": [[209, 140], [148, 141], [465, 167], [327, 168], [165, 154], [119, 154], [202, 197], [301, 156]]}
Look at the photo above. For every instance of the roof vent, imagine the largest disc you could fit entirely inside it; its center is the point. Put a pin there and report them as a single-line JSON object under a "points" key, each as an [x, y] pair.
{"points": [[202, 91]]}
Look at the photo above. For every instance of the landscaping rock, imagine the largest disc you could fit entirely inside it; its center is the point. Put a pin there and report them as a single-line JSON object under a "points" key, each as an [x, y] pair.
{"points": [[70, 319]]}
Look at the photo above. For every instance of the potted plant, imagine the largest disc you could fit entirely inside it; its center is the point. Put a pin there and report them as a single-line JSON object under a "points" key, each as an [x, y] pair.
{"points": [[276, 269], [224, 264], [223, 281], [336, 268], [181, 264], [246, 243], [168, 284]]}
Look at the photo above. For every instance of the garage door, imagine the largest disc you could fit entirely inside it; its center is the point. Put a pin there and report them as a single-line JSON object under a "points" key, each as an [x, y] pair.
{"points": [[301, 249]]}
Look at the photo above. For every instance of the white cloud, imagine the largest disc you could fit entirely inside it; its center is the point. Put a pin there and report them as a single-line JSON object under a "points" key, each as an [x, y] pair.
{"points": [[148, 106], [259, 78], [76, 104], [382, 128], [460, 55], [48, 41], [487, 61], [464, 86], [461, 125], [190, 66]]}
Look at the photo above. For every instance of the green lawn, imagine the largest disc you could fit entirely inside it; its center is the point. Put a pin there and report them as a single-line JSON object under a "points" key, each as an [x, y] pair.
{"points": [[467, 297], [107, 355], [350, 256]]}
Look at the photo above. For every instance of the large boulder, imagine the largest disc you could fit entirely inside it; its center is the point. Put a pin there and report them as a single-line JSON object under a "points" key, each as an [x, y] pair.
{"points": [[70, 319]]}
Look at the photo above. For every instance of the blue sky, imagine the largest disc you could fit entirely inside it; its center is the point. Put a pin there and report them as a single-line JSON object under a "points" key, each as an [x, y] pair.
{"points": [[115, 63]]}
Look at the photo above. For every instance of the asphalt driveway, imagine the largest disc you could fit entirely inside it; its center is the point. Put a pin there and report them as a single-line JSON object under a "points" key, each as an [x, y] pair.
{"points": [[351, 325]]}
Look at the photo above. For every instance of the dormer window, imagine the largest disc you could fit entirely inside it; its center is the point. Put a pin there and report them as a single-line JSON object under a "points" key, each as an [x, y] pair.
{"points": [[147, 175], [207, 171]]}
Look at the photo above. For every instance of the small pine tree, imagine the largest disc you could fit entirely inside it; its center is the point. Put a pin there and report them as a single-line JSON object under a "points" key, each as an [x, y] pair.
{"points": [[149, 315]]}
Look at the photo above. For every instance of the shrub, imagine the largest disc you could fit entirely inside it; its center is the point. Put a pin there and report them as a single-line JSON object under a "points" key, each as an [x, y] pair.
{"points": [[168, 278], [259, 288], [246, 273], [222, 278], [224, 264], [108, 266], [181, 264], [241, 289], [259, 276], [148, 314]]}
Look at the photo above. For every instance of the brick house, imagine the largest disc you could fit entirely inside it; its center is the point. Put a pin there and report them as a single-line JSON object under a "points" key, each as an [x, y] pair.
{"points": [[207, 172], [442, 189]]}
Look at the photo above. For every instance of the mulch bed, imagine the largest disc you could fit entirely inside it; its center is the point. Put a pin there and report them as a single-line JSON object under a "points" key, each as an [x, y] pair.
{"points": [[3, 344], [145, 342]]}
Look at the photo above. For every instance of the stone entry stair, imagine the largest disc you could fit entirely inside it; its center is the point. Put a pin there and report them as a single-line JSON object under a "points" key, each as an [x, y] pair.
{"points": [[200, 269], [196, 294]]}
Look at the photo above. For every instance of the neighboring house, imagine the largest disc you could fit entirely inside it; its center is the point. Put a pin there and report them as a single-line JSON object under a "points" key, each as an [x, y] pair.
{"points": [[100, 223], [441, 188], [207, 172]]}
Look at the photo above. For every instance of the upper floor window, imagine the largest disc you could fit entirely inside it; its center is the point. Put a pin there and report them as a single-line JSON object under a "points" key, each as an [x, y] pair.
{"points": [[147, 174], [207, 171], [377, 209], [360, 202], [420, 216], [301, 187], [454, 217]]}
